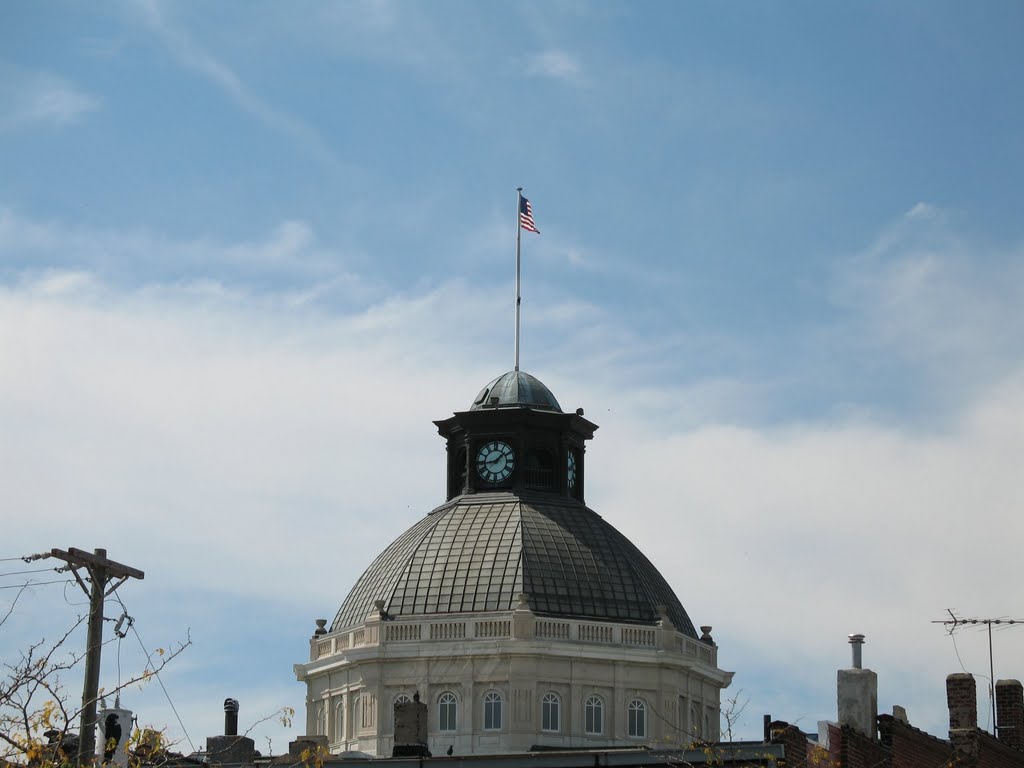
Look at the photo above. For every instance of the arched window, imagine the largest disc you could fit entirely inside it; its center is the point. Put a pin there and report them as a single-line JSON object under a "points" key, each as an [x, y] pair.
{"points": [[447, 711], [321, 723], [593, 716], [355, 715], [339, 721], [492, 711], [637, 719], [550, 712]]}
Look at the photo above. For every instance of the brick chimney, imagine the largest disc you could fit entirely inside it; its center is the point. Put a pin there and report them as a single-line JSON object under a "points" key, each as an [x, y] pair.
{"points": [[962, 699], [793, 741], [230, 748], [1010, 712]]}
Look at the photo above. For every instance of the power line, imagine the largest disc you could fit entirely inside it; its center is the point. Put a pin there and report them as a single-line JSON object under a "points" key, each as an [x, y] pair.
{"points": [[33, 570], [38, 583], [156, 674], [27, 558]]}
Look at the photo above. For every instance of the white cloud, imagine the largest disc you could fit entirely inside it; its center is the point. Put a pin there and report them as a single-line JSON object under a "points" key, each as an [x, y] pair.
{"points": [[555, 64], [290, 249], [793, 537], [193, 56], [31, 98], [923, 294], [235, 443], [56, 283], [921, 210]]}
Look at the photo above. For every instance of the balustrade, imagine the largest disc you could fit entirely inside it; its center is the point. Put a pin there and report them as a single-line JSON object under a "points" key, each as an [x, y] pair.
{"points": [[448, 631], [553, 630], [497, 628]]}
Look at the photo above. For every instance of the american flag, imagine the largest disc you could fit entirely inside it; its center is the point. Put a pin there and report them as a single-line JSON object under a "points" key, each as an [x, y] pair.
{"points": [[526, 215]]}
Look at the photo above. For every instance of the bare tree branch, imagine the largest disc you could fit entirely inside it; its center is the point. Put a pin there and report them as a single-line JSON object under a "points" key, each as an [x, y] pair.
{"points": [[14, 602], [34, 702]]}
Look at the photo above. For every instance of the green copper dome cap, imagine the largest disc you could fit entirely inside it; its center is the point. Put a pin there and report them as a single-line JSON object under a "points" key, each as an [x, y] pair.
{"points": [[516, 389]]}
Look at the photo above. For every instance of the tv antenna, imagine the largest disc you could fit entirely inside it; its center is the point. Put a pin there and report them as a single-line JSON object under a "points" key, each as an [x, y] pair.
{"points": [[953, 623]]}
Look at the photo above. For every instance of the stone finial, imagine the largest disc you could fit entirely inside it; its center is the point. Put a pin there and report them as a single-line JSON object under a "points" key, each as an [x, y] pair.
{"points": [[705, 634], [321, 627]]}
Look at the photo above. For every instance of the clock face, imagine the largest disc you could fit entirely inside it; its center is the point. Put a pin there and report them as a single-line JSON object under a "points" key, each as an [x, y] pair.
{"points": [[572, 470], [495, 461]]}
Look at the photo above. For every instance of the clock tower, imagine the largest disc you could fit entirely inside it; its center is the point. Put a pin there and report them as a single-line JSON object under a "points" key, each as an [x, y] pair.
{"points": [[516, 438]]}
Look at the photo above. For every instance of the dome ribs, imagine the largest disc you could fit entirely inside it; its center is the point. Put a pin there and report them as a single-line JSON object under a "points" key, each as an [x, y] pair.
{"points": [[598, 582], [381, 579], [479, 552], [654, 585]]}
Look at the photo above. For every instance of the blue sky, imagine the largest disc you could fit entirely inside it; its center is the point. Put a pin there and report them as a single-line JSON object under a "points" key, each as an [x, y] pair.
{"points": [[247, 251]]}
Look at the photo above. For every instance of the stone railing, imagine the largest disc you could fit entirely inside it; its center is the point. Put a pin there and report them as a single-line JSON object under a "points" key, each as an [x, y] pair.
{"points": [[401, 632], [595, 633], [552, 630], [495, 628], [637, 636], [449, 630], [502, 627]]}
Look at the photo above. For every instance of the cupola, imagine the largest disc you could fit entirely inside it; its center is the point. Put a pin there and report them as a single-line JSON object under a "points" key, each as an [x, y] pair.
{"points": [[516, 438]]}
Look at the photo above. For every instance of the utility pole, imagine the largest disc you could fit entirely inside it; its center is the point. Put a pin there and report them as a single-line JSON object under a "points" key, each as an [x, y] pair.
{"points": [[105, 576]]}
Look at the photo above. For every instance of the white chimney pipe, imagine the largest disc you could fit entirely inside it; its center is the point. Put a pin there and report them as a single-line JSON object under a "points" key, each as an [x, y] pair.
{"points": [[856, 644]]}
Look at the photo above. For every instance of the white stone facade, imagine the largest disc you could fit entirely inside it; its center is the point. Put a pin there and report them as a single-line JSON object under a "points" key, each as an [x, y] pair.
{"points": [[503, 682]]}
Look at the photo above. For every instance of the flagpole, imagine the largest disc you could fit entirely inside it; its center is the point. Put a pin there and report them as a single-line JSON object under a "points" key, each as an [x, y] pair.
{"points": [[519, 235]]}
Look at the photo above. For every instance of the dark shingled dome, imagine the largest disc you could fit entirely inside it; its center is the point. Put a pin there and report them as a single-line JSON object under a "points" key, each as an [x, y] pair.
{"points": [[479, 552], [516, 389]]}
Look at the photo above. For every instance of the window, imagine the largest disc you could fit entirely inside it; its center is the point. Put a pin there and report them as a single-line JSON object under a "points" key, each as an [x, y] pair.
{"points": [[540, 470], [593, 716], [321, 725], [637, 719], [447, 711], [339, 721], [366, 705], [492, 711], [402, 698], [550, 712]]}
